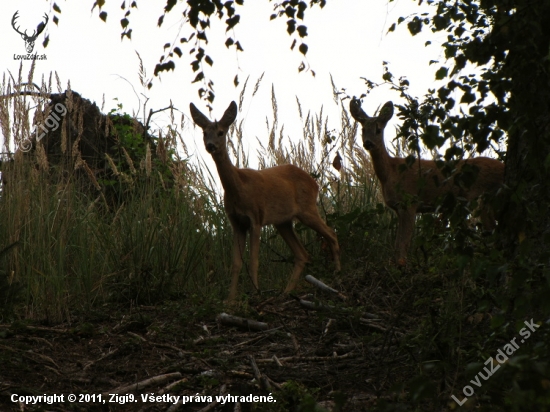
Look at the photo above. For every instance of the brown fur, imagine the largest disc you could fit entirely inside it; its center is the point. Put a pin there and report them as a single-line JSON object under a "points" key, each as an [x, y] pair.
{"points": [[256, 198], [415, 189]]}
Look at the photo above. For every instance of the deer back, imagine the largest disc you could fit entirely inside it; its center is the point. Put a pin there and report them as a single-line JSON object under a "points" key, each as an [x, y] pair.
{"points": [[273, 195]]}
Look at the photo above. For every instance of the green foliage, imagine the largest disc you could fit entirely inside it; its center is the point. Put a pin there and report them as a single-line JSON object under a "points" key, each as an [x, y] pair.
{"points": [[198, 15], [503, 103]]}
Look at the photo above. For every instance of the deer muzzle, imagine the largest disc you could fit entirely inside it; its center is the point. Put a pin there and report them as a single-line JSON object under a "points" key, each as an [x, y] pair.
{"points": [[210, 147], [368, 144]]}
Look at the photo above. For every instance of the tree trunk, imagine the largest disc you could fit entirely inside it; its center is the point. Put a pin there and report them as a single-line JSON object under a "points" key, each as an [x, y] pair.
{"points": [[525, 213]]}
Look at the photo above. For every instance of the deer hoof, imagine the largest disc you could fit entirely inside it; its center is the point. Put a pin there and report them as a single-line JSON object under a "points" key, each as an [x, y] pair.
{"points": [[401, 262]]}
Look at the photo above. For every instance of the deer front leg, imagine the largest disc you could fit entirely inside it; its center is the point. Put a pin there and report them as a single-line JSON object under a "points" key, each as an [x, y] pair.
{"points": [[255, 231], [405, 230], [239, 241]]}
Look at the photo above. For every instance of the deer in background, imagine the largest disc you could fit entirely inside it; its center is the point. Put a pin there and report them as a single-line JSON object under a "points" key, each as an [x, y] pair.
{"points": [[256, 198], [413, 189]]}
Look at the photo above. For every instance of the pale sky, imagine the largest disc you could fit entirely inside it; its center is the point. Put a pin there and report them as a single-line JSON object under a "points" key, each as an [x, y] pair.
{"points": [[346, 39]]}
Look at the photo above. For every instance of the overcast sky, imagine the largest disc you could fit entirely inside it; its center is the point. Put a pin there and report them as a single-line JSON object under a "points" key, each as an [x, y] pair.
{"points": [[348, 39]]}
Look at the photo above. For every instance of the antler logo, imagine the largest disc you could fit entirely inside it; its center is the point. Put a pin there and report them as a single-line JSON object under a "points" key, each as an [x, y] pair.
{"points": [[29, 40]]}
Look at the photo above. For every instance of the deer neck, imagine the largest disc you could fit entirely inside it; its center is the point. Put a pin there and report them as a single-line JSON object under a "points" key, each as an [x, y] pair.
{"points": [[228, 173], [381, 162]]}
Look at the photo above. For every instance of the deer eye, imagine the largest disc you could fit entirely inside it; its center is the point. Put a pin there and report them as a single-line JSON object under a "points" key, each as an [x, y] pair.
{"points": [[378, 130], [220, 133]]}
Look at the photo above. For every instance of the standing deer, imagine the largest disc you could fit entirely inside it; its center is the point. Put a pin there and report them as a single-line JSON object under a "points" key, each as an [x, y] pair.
{"points": [[412, 189], [255, 198]]}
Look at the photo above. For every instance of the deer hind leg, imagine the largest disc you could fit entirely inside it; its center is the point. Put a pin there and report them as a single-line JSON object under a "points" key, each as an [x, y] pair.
{"points": [[314, 221], [300, 254], [239, 242], [487, 215], [405, 230]]}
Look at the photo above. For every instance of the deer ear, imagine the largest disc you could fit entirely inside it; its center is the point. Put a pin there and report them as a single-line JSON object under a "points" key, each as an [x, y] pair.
{"points": [[356, 112], [230, 115], [386, 112], [200, 119]]}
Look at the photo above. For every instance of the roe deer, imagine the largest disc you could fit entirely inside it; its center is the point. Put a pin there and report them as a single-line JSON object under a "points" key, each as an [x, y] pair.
{"points": [[412, 189], [256, 198]]}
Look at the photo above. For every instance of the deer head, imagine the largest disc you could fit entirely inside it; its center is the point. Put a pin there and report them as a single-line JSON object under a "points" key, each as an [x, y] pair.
{"points": [[29, 40], [214, 132], [373, 127]]}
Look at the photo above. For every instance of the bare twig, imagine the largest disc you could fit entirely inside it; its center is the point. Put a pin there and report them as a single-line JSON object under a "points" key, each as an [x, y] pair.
{"points": [[295, 343], [201, 339], [168, 388], [248, 324], [25, 93], [43, 358], [100, 359], [308, 358], [257, 338], [315, 305], [44, 329], [168, 346], [260, 306], [371, 324], [329, 324], [276, 360], [143, 384], [158, 345], [41, 340], [260, 378], [320, 285], [135, 335], [279, 387], [341, 348], [240, 374], [212, 405], [35, 357], [152, 112]]}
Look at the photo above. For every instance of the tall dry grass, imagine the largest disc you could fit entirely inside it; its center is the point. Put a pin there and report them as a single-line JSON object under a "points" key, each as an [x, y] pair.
{"points": [[63, 248]]}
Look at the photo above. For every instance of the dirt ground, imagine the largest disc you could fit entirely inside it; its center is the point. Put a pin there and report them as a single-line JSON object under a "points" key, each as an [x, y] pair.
{"points": [[341, 355]]}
